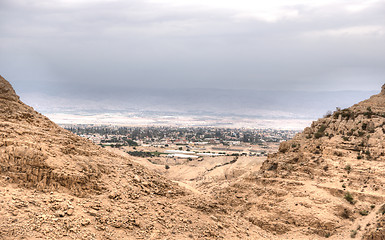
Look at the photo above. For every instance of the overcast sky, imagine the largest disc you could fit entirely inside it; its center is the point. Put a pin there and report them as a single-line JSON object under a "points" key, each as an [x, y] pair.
{"points": [[58, 45]]}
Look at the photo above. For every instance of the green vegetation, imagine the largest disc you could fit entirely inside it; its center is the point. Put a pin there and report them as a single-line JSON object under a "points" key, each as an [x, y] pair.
{"points": [[364, 212], [321, 132], [348, 197], [131, 143], [322, 128], [345, 113], [369, 113], [144, 154], [318, 135]]}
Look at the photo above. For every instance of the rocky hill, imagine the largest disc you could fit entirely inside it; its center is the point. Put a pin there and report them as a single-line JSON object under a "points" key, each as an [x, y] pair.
{"points": [[56, 185], [326, 182]]}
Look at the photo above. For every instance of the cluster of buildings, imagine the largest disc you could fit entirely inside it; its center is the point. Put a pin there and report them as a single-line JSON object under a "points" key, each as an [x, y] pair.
{"points": [[186, 142], [161, 136]]}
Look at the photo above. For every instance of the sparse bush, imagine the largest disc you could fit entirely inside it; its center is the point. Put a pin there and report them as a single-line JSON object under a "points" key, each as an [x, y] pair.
{"points": [[353, 234], [322, 128], [337, 113], [368, 114], [359, 157], [167, 167], [318, 135], [346, 213], [347, 114], [348, 168], [382, 209], [348, 197], [360, 134], [338, 154], [328, 114], [321, 132], [364, 212], [131, 143], [284, 147]]}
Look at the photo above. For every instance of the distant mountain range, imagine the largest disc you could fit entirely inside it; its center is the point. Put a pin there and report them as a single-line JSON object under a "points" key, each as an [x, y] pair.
{"points": [[198, 102]]}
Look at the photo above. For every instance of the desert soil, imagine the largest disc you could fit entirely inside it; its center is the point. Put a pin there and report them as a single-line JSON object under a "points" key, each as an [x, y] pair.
{"points": [[327, 182]]}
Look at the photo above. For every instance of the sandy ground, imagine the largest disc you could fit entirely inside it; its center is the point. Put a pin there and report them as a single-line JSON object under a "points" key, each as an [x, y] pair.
{"points": [[203, 174]]}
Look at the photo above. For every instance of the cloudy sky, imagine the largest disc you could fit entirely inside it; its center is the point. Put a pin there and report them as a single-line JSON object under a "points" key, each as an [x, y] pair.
{"points": [[51, 46]]}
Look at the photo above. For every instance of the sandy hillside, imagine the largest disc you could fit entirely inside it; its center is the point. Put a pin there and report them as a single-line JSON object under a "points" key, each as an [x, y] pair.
{"points": [[203, 175], [55, 185], [327, 182]]}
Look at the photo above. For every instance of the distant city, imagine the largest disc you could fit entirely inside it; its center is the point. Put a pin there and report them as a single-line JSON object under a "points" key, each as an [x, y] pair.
{"points": [[163, 136], [181, 142]]}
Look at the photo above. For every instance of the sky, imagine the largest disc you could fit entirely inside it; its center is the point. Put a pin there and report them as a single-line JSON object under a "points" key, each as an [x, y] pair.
{"points": [[61, 46]]}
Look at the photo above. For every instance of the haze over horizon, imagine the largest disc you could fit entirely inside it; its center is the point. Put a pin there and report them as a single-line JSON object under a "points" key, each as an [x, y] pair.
{"points": [[60, 54]]}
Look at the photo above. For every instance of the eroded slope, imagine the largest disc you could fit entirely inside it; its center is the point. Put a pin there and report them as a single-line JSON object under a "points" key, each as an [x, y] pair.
{"points": [[328, 181], [54, 184]]}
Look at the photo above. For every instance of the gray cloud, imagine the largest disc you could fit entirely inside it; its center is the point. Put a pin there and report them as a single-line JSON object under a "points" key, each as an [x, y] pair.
{"points": [[49, 46]]}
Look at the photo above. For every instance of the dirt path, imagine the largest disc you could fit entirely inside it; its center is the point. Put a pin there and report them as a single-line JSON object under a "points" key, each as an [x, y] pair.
{"points": [[188, 186]]}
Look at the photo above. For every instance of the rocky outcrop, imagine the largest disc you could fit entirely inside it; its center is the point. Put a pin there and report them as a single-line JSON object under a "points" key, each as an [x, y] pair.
{"points": [[327, 180], [55, 185], [6, 90], [29, 153]]}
